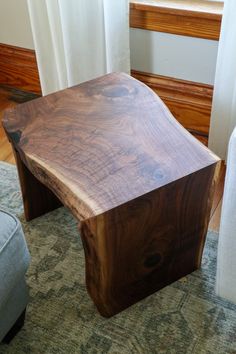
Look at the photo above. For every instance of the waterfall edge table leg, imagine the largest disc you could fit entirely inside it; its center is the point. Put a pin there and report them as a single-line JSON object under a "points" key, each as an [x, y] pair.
{"points": [[148, 243], [37, 198]]}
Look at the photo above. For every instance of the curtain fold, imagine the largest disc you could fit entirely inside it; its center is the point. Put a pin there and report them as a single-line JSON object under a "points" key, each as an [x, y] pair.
{"points": [[223, 118], [223, 122], [226, 262], [78, 40]]}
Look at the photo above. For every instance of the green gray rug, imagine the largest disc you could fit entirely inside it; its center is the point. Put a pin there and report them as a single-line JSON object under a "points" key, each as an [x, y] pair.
{"points": [[185, 317]]}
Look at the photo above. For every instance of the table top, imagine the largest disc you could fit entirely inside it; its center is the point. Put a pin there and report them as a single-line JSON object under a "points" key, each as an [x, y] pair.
{"points": [[103, 143]]}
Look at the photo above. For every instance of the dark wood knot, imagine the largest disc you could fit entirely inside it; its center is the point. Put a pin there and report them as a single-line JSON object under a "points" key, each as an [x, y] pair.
{"points": [[152, 260], [15, 136]]}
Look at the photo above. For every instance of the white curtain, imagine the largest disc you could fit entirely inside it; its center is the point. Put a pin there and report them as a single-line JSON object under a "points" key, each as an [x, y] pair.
{"points": [[223, 122], [223, 118], [226, 262], [78, 40]]}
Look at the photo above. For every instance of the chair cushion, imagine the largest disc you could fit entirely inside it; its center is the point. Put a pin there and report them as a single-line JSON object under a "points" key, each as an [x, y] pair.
{"points": [[14, 254], [8, 225]]}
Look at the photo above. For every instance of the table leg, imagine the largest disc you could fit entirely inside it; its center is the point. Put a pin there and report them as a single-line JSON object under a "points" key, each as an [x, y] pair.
{"points": [[142, 246], [37, 198]]}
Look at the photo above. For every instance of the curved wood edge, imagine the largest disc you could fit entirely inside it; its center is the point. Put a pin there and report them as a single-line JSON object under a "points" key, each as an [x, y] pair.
{"points": [[37, 198], [50, 186], [189, 102], [70, 194]]}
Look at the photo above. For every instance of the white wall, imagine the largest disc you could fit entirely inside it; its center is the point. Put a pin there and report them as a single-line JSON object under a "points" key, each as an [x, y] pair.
{"points": [[181, 57], [15, 24]]}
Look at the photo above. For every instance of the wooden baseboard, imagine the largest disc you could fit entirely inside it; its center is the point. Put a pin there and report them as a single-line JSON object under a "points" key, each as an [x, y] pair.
{"points": [[189, 102], [183, 17], [18, 68]]}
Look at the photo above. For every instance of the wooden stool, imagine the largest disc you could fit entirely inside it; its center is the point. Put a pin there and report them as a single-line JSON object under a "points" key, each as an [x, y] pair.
{"points": [[138, 182]]}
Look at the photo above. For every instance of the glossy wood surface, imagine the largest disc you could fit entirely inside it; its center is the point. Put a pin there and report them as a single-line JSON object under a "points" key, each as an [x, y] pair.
{"points": [[139, 183], [137, 249], [18, 68], [37, 198], [90, 143], [189, 102], [9, 98], [200, 19]]}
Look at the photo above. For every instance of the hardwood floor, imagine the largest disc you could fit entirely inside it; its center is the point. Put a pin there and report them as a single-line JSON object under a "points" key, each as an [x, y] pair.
{"points": [[10, 97], [5, 147]]}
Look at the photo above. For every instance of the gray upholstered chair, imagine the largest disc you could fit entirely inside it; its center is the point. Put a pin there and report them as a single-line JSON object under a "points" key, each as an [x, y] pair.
{"points": [[14, 261]]}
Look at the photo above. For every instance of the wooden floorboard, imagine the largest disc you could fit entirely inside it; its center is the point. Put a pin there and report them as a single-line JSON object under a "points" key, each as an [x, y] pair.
{"points": [[10, 97]]}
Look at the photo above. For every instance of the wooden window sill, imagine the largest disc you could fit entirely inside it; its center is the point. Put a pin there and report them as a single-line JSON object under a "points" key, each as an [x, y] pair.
{"points": [[194, 18]]}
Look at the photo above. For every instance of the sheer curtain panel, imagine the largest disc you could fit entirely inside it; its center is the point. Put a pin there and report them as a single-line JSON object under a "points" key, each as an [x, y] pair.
{"points": [[78, 40], [226, 262], [223, 123], [223, 119]]}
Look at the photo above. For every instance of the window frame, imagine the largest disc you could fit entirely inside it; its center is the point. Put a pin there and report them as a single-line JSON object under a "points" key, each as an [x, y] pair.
{"points": [[198, 18]]}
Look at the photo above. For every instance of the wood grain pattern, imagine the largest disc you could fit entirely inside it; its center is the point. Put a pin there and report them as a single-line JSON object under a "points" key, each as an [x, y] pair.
{"points": [[177, 17], [139, 183], [166, 232], [43, 199], [188, 101], [9, 97], [18, 68], [202, 138], [206, 8]]}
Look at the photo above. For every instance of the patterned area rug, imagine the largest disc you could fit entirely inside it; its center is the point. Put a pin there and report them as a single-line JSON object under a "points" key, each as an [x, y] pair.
{"points": [[185, 317]]}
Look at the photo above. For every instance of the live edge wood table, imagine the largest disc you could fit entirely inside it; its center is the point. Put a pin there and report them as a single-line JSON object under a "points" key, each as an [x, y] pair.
{"points": [[140, 185]]}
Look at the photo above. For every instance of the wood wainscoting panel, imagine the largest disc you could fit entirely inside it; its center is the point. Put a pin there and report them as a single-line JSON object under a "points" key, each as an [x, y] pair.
{"points": [[188, 101], [18, 68], [185, 18]]}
